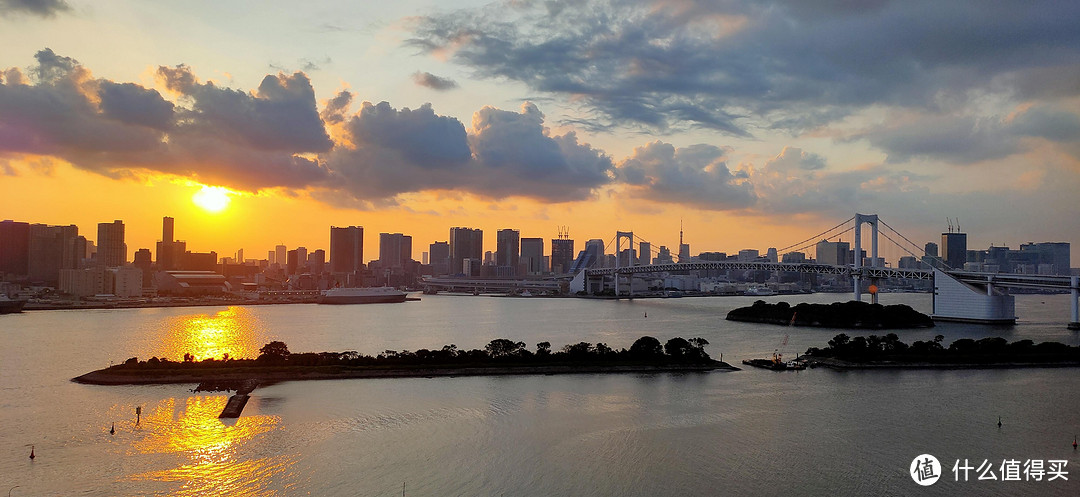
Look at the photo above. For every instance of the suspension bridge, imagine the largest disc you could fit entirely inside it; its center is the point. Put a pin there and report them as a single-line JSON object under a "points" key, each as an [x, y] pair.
{"points": [[966, 296], [958, 295]]}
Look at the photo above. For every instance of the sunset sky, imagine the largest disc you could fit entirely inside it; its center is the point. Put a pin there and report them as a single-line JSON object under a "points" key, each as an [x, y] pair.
{"points": [[757, 123]]}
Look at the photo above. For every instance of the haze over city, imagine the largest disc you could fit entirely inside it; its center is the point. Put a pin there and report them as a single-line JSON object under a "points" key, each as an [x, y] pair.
{"points": [[599, 115]]}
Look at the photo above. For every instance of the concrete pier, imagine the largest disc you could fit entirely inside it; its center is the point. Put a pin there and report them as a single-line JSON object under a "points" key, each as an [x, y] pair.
{"points": [[235, 406]]}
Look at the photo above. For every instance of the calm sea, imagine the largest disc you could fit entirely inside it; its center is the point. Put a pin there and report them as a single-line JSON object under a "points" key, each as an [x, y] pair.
{"points": [[751, 432]]}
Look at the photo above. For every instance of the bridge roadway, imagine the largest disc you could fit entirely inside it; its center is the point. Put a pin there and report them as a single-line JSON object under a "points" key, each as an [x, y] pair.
{"points": [[795, 267]]}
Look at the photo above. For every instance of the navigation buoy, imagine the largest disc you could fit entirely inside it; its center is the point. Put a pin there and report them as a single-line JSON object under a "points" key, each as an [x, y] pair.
{"points": [[32, 453], [1074, 442], [999, 421], [646, 314], [112, 429]]}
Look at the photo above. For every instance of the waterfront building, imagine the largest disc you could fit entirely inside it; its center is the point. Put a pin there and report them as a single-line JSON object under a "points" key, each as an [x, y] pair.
{"points": [[562, 255], [51, 249], [395, 249], [954, 249], [346, 249], [835, 253], [112, 251], [439, 257], [14, 248], [644, 253], [532, 255], [465, 243], [508, 249]]}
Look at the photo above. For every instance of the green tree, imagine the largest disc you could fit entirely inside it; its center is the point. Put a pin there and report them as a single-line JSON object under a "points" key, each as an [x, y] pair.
{"points": [[501, 347], [274, 352]]}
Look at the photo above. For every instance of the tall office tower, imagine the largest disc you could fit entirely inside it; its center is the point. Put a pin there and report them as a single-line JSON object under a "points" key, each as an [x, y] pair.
{"points": [[292, 262], [169, 251], [644, 253], [395, 249], [301, 260], [562, 255], [52, 248], [954, 249], [14, 248], [439, 256], [1053, 257], [465, 243], [317, 261], [346, 249], [508, 248], [281, 253], [771, 255], [240, 256], [835, 253], [532, 254], [424, 258], [112, 251], [271, 257]]}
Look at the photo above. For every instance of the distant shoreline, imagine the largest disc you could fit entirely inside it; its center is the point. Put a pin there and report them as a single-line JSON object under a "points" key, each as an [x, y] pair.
{"points": [[840, 365], [266, 375]]}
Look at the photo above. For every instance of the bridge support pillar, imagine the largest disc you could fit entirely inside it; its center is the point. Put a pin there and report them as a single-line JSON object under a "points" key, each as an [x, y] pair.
{"points": [[872, 220], [1075, 323]]}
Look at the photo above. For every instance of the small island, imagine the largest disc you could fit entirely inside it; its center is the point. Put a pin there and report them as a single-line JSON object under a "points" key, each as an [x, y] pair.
{"points": [[888, 352], [852, 314], [500, 357]]}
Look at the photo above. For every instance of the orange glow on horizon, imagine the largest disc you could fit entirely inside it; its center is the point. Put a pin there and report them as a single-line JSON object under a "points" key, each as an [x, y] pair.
{"points": [[212, 199]]}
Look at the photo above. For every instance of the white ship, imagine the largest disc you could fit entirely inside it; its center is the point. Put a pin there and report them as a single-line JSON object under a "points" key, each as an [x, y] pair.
{"points": [[759, 291], [372, 295]]}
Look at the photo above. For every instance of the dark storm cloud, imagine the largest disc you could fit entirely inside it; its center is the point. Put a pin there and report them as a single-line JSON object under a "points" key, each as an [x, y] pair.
{"points": [[736, 66], [42, 8], [697, 175], [434, 82]]}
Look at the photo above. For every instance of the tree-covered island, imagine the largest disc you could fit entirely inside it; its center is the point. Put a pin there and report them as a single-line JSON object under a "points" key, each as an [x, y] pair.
{"points": [[852, 314], [879, 352], [500, 357]]}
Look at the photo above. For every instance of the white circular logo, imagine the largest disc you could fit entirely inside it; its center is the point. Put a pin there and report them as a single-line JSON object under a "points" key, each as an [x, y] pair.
{"points": [[925, 470]]}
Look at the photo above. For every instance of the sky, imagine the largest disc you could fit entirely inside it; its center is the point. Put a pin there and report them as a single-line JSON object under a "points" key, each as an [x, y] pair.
{"points": [[753, 124]]}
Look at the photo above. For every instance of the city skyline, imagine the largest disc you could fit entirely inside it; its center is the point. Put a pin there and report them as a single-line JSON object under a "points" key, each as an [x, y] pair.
{"points": [[424, 128]]}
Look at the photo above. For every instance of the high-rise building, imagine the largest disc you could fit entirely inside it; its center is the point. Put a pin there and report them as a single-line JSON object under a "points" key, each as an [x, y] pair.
{"points": [[1054, 255], [395, 249], [663, 256], [281, 253], [53, 248], [169, 251], [465, 243], [439, 257], [301, 260], [317, 261], [644, 253], [747, 255], [532, 254], [771, 255], [143, 260], [562, 255], [954, 249], [835, 253], [346, 249], [112, 251], [271, 257], [14, 248], [292, 262], [508, 250]]}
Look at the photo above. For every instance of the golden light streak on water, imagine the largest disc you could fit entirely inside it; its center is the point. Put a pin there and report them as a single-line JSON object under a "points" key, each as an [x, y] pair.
{"points": [[205, 449], [231, 331]]}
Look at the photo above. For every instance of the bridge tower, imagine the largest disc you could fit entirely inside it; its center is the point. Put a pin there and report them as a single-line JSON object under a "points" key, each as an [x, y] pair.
{"points": [[872, 220], [619, 235]]}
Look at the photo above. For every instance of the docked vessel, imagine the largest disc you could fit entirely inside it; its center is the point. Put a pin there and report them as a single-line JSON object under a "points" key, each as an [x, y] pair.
{"points": [[372, 295], [776, 363], [9, 306], [759, 291]]}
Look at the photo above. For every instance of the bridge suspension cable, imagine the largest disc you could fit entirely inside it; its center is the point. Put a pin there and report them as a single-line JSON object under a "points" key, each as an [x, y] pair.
{"points": [[811, 244], [913, 244], [817, 236]]}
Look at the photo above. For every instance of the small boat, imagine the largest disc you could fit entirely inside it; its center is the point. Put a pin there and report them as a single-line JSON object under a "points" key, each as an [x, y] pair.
{"points": [[776, 363], [371, 295], [759, 291], [10, 306]]}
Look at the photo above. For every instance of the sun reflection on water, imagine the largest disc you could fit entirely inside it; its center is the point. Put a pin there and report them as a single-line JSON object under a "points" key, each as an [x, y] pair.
{"points": [[231, 331], [211, 453]]}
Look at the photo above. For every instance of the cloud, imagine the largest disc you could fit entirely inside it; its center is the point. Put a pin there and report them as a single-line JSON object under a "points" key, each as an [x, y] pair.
{"points": [[504, 154], [434, 82], [41, 8], [696, 175], [245, 141], [737, 67], [960, 139]]}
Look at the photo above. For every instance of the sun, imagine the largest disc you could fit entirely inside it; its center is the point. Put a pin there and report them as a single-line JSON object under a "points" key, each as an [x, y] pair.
{"points": [[212, 198]]}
